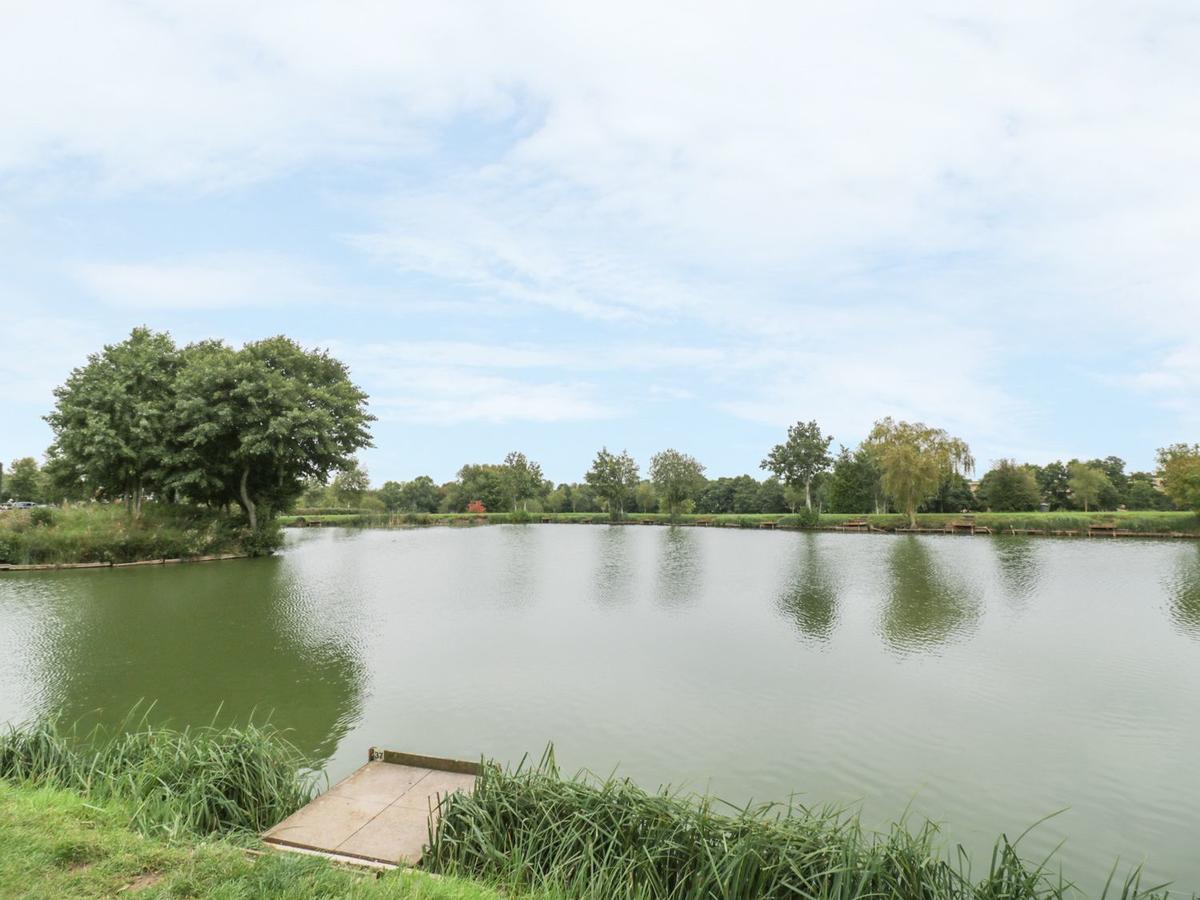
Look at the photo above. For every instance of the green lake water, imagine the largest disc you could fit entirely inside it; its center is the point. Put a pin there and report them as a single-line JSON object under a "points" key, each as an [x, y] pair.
{"points": [[982, 682]]}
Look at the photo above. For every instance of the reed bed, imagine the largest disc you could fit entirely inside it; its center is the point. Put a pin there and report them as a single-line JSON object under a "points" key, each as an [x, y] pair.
{"points": [[204, 780], [532, 829]]}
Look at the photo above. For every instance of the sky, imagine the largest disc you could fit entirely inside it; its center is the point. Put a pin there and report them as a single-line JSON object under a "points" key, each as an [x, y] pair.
{"points": [[547, 226]]}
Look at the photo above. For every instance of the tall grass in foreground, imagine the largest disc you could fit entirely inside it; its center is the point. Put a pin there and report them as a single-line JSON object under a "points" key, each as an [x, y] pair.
{"points": [[199, 780], [532, 829]]}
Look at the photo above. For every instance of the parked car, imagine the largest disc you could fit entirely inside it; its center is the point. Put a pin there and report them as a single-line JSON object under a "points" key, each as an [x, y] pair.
{"points": [[23, 504]]}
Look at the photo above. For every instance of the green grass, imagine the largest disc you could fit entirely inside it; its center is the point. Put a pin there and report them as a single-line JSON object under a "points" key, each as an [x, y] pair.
{"points": [[590, 838], [196, 781], [105, 533], [1134, 521], [173, 813], [55, 843]]}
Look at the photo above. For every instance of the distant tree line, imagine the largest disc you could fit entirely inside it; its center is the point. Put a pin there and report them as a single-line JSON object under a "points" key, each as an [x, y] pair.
{"points": [[271, 426], [902, 467]]}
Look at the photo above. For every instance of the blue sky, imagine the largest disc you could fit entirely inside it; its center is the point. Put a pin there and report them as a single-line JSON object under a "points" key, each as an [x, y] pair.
{"points": [[549, 227]]}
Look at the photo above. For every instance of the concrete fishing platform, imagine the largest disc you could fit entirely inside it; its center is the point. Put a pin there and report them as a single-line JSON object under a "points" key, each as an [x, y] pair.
{"points": [[380, 815]]}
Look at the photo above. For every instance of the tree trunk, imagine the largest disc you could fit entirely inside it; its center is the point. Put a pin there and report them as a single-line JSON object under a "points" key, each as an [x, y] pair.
{"points": [[808, 493], [247, 503], [912, 515], [137, 500]]}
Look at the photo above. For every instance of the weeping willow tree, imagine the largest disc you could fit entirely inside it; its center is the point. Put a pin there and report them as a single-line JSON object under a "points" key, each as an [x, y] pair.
{"points": [[914, 459]]}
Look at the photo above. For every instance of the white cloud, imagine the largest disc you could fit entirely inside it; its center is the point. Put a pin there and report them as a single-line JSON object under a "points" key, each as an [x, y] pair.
{"points": [[216, 282], [444, 396], [869, 206]]}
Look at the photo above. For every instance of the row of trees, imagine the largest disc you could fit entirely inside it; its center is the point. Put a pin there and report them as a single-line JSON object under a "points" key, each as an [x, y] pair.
{"points": [[902, 466], [266, 426], [206, 423]]}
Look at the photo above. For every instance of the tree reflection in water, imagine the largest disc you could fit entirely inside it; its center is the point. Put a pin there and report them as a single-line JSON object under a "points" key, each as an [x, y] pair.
{"points": [[810, 601], [678, 568], [1184, 590], [193, 644], [927, 607]]}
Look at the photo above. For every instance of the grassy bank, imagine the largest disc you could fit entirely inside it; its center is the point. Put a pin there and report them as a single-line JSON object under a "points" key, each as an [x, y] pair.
{"points": [[173, 813], [167, 813], [55, 843], [532, 829], [1052, 522], [105, 533]]}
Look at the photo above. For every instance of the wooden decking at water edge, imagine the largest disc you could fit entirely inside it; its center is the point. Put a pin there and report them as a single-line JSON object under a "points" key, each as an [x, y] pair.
{"points": [[380, 815]]}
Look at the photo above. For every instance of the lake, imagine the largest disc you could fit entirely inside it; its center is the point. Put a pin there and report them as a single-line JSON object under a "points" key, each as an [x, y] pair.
{"points": [[983, 682]]}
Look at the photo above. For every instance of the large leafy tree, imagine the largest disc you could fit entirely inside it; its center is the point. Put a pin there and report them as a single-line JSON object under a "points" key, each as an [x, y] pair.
{"points": [[913, 459], [1179, 469], [522, 478], [801, 458], [420, 495], [254, 425], [1008, 487], [350, 485], [1142, 492], [23, 481], [1054, 482], [677, 478], [482, 482], [854, 485], [1088, 484], [613, 477], [112, 419]]}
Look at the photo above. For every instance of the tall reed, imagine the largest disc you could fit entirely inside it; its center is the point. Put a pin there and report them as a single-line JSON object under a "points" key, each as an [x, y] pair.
{"points": [[531, 829], [198, 780]]}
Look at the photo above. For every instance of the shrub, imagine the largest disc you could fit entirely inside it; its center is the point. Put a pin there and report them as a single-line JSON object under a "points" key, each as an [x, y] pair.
{"points": [[41, 516], [263, 542], [807, 518]]}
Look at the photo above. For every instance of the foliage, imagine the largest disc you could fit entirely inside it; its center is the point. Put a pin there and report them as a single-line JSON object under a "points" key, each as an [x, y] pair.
{"points": [[351, 484], [420, 495], [801, 458], [200, 781], [112, 418], [1054, 482], [855, 485], [1088, 484], [481, 482], [522, 478], [676, 477], [532, 829], [914, 459], [953, 495], [1008, 487], [208, 423], [22, 481], [1179, 468], [253, 425], [104, 533], [613, 477], [1112, 495], [1142, 492], [477, 507]]}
